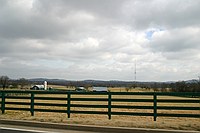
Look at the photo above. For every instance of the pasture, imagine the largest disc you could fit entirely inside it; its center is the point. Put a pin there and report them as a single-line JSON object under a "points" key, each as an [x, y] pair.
{"points": [[102, 120]]}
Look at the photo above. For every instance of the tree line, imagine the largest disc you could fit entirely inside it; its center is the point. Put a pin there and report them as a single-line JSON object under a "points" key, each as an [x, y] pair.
{"points": [[180, 86], [6, 82]]}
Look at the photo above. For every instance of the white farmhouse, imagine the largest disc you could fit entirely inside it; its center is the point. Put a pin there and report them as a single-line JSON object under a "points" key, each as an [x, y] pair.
{"points": [[40, 87]]}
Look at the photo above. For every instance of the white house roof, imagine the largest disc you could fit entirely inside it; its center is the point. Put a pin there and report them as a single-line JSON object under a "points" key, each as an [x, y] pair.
{"points": [[82, 88], [100, 88], [39, 86]]}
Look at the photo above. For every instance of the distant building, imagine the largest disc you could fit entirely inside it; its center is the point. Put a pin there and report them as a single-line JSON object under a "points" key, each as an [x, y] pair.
{"points": [[80, 89], [94, 89], [37, 87], [45, 85], [100, 89], [40, 87]]}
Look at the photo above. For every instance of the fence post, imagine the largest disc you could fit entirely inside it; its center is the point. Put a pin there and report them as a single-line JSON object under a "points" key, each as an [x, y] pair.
{"points": [[155, 106], [3, 102], [109, 105], [32, 104], [68, 104]]}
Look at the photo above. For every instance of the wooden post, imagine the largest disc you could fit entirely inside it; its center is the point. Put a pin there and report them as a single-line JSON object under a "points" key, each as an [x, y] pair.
{"points": [[68, 104], [3, 102], [155, 106], [32, 104], [109, 105]]}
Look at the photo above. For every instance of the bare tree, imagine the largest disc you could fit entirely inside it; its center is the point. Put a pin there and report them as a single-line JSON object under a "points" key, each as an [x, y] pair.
{"points": [[127, 89], [23, 82], [4, 81]]}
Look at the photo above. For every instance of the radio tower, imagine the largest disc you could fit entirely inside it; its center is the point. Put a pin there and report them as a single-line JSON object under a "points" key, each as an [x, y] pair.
{"points": [[135, 70]]}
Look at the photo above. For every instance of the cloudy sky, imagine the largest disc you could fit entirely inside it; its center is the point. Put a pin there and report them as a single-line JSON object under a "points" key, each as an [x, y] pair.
{"points": [[100, 39]]}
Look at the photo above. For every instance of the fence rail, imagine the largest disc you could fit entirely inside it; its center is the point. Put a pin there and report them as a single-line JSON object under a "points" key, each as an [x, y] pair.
{"points": [[34, 99]]}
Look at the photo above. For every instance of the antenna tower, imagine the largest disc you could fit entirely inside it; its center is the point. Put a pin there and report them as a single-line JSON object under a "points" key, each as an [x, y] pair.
{"points": [[135, 70]]}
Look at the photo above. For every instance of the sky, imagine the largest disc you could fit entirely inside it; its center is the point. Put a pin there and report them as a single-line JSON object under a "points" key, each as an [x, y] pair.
{"points": [[100, 39]]}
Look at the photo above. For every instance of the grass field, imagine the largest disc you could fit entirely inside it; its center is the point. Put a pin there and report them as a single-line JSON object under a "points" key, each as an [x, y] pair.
{"points": [[118, 121]]}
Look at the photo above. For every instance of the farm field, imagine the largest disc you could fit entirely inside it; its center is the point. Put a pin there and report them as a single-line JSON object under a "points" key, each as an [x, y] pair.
{"points": [[102, 120], [60, 87]]}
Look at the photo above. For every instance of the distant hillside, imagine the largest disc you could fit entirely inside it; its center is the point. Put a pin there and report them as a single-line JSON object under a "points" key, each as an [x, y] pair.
{"points": [[46, 79], [112, 83], [179, 86]]}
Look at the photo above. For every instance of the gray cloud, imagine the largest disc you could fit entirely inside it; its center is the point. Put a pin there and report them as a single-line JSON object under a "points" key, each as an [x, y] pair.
{"points": [[163, 14], [94, 39], [178, 43]]}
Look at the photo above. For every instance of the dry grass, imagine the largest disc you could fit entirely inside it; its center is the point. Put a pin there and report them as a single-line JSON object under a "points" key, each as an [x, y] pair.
{"points": [[102, 120], [61, 87], [118, 121]]}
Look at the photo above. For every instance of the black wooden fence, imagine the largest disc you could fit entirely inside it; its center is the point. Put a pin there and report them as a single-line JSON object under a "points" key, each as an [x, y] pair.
{"points": [[29, 98]]}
